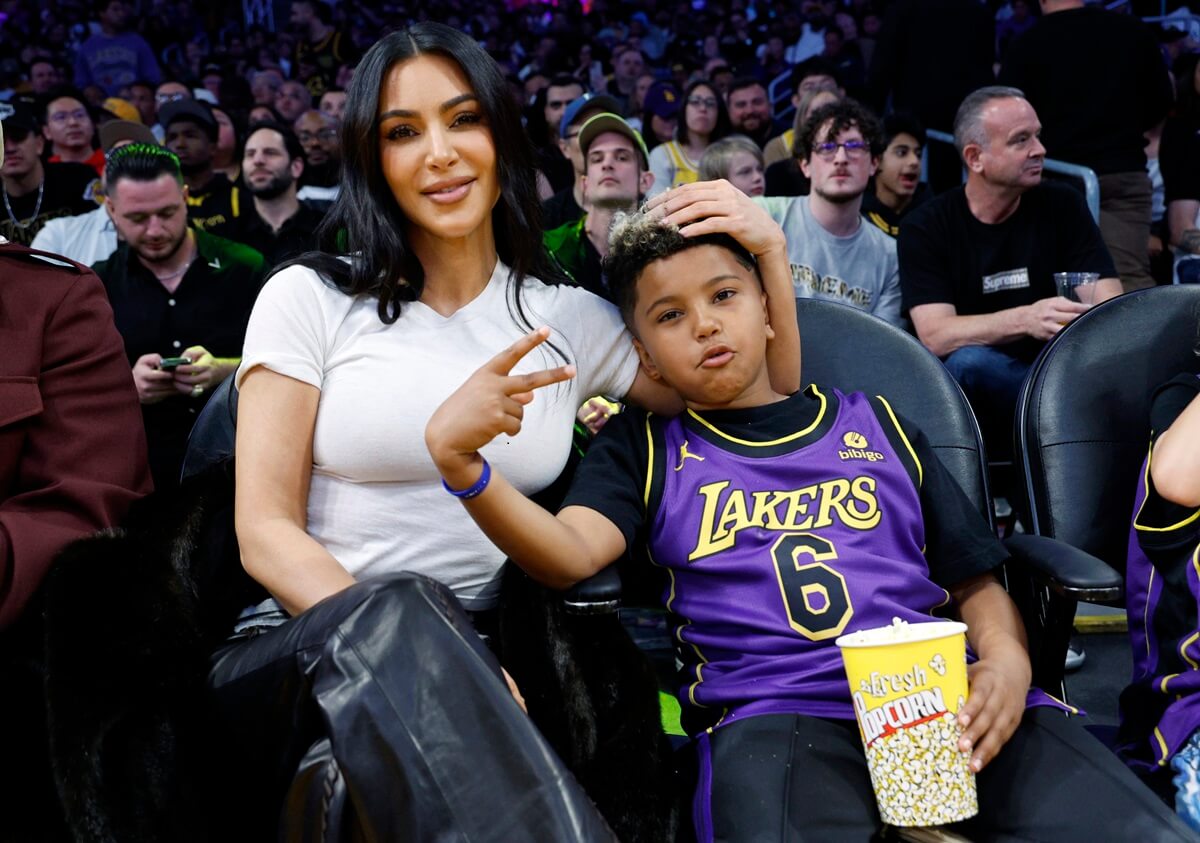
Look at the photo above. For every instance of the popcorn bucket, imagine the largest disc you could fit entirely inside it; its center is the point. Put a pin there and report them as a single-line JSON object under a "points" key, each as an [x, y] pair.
{"points": [[908, 682]]}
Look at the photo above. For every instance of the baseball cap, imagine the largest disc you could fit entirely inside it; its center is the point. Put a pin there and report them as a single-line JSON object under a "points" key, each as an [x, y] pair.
{"points": [[662, 100], [609, 122], [591, 102], [185, 109], [18, 117], [122, 109], [115, 131]]}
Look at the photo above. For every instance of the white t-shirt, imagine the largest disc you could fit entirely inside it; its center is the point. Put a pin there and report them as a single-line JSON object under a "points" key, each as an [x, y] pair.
{"points": [[376, 502]]}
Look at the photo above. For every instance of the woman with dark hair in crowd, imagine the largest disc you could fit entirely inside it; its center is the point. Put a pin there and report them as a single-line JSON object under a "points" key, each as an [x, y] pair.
{"points": [[368, 559], [704, 120], [660, 114]]}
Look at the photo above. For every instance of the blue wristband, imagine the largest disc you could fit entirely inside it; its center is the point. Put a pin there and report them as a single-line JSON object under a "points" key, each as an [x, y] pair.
{"points": [[475, 490]]}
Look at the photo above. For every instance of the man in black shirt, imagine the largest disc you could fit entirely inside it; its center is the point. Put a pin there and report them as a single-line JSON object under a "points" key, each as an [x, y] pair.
{"points": [[277, 224], [897, 187], [750, 110], [1075, 65], [977, 262], [190, 131], [176, 293], [35, 193]]}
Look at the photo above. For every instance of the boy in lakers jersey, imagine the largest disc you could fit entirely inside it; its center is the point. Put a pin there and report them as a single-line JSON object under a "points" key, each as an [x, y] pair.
{"points": [[1160, 709], [783, 522]]}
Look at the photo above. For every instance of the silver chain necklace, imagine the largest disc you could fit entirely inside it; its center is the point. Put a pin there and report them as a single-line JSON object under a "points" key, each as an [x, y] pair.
{"points": [[36, 208]]}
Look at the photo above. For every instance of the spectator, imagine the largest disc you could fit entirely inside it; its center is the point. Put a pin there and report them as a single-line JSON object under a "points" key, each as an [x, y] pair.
{"points": [[291, 100], [704, 121], [627, 67], [320, 48], [569, 204], [279, 225], [318, 134], [69, 128], [166, 93], [90, 238], [72, 461], [660, 114], [227, 154], [813, 75], [333, 103], [175, 292], [263, 114], [929, 55], [113, 57], [637, 102], [617, 176], [265, 85], [977, 262], [556, 167], [750, 110], [1159, 735], [738, 160], [835, 254], [784, 177], [897, 187], [35, 193], [44, 76], [190, 132], [141, 94], [1063, 65], [1179, 161]]}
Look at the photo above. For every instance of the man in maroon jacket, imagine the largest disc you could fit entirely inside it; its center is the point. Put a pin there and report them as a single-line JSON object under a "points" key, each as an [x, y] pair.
{"points": [[72, 461]]}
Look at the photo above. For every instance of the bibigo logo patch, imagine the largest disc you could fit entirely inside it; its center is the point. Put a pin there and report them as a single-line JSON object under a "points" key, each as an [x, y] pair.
{"points": [[857, 448]]}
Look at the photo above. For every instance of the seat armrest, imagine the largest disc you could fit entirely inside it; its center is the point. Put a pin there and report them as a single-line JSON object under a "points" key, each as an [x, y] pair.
{"points": [[1067, 570], [599, 594]]}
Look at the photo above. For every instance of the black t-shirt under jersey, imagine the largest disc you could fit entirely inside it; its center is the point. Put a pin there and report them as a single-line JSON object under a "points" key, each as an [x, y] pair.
{"points": [[948, 256], [70, 189]]}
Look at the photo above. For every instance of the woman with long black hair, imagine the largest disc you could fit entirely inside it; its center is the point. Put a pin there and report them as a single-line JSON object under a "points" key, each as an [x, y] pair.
{"points": [[364, 661]]}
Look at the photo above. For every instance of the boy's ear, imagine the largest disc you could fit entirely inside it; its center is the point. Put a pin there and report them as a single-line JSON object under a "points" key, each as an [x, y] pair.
{"points": [[767, 318], [647, 362]]}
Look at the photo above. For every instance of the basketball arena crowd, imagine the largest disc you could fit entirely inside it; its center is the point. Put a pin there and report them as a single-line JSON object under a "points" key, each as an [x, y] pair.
{"points": [[676, 339]]}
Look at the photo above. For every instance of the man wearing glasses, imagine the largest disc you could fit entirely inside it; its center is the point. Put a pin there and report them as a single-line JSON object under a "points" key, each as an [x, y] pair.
{"points": [[834, 255], [318, 135], [69, 128]]}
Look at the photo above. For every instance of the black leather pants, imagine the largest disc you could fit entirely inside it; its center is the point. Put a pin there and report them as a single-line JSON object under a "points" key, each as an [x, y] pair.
{"points": [[379, 714]]}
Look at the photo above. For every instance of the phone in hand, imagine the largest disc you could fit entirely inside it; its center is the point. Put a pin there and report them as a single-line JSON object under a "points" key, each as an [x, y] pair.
{"points": [[170, 364]]}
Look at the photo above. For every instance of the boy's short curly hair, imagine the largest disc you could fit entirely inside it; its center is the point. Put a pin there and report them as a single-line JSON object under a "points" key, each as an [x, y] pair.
{"points": [[639, 239]]}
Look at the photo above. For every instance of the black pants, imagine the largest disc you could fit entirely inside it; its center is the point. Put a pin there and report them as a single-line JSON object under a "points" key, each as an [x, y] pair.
{"points": [[380, 714], [794, 778]]}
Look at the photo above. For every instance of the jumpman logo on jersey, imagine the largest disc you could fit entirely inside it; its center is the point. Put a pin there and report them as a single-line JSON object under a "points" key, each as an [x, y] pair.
{"points": [[684, 456]]}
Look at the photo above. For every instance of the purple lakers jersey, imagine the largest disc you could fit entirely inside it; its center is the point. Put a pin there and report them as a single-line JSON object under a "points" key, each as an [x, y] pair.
{"points": [[776, 548], [1161, 707]]}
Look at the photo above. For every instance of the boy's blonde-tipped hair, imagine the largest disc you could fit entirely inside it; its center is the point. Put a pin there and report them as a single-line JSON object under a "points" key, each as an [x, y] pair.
{"points": [[638, 239]]}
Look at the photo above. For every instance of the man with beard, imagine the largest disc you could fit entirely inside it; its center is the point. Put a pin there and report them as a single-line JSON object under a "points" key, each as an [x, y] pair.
{"points": [[181, 298], [35, 193], [279, 225], [977, 262], [191, 131], [750, 110], [835, 254]]}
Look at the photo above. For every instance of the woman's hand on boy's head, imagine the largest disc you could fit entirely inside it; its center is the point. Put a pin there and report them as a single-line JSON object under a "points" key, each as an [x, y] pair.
{"points": [[994, 707], [717, 207], [491, 402]]}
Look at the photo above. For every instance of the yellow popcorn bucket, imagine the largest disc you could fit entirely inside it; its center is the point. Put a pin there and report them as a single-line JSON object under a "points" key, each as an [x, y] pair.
{"points": [[908, 682]]}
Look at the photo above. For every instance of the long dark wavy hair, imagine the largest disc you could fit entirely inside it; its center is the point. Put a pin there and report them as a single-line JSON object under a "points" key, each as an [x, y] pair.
{"points": [[366, 221]]}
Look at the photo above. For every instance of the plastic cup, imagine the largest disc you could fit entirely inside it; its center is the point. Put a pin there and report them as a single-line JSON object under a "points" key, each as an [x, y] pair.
{"points": [[908, 683], [1077, 286]]}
